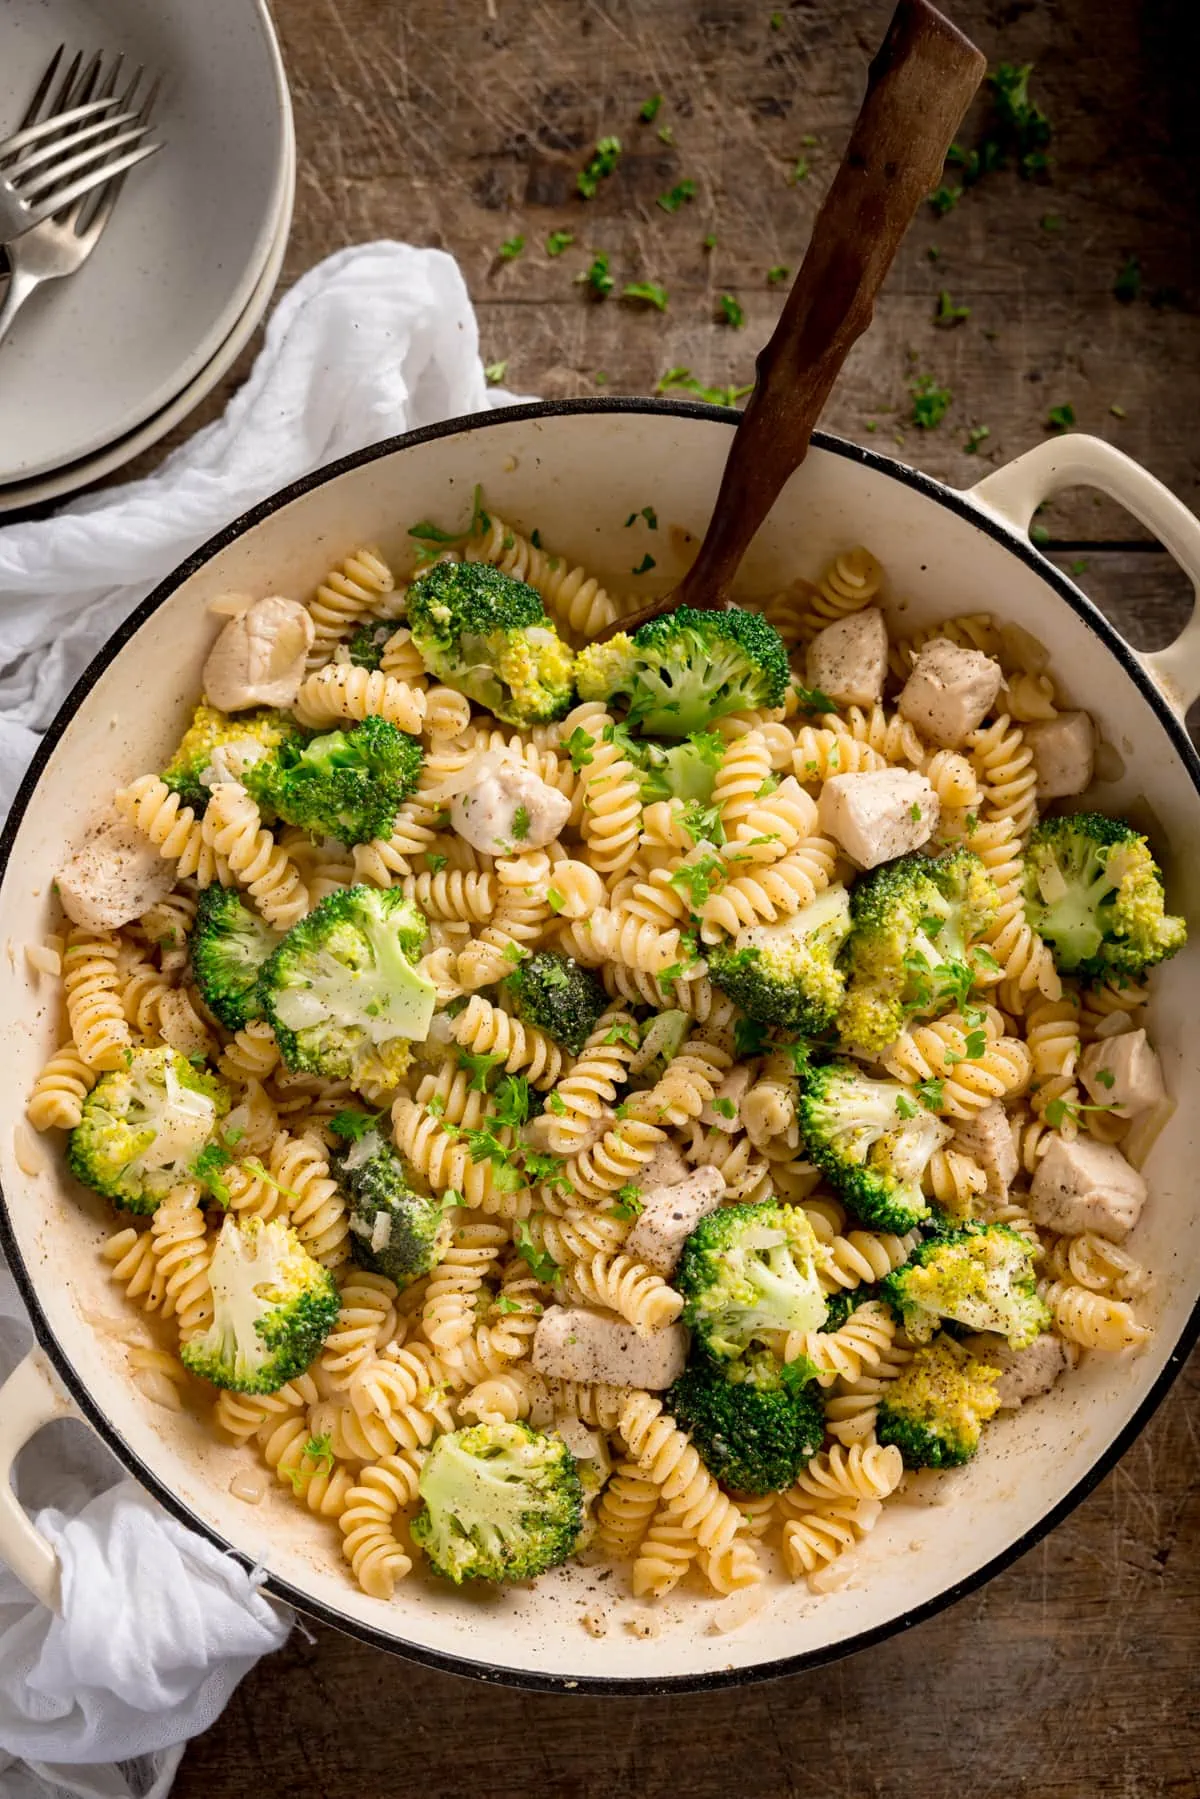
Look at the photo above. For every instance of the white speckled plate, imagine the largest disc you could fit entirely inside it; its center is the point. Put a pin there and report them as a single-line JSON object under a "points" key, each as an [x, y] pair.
{"points": [[20, 496], [92, 358]]}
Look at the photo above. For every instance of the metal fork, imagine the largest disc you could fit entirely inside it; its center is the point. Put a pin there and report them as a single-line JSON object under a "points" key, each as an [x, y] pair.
{"points": [[71, 218]]}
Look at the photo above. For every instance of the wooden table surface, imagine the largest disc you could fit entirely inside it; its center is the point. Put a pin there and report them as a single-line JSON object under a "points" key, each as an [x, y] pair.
{"points": [[463, 125]]}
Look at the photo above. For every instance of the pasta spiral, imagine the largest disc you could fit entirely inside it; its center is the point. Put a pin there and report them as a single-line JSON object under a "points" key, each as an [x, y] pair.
{"points": [[316, 1209], [864, 1471], [366, 1321], [623, 1513], [340, 690], [769, 893], [846, 1353], [1091, 1319], [572, 597], [92, 987], [584, 1094], [939, 1051], [664, 1455], [445, 1162], [149, 805], [487, 1031], [56, 1101], [233, 829], [349, 592], [182, 1249], [369, 1541], [621, 1285]]}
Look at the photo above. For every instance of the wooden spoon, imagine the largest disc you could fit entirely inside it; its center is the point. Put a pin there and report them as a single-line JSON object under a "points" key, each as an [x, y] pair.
{"points": [[918, 88]]}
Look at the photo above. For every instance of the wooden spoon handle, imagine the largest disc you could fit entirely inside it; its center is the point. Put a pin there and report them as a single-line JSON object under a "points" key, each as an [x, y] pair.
{"points": [[918, 88]]}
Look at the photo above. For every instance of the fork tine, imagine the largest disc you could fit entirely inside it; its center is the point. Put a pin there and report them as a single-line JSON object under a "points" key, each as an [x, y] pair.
{"points": [[62, 98], [43, 86], [46, 180], [52, 153], [89, 227], [58, 202], [110, 86], [89, 78], [60, 126]]}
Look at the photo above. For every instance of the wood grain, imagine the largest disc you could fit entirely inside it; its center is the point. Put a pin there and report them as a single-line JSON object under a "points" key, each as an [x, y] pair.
{"points": [[1072, 1675]]}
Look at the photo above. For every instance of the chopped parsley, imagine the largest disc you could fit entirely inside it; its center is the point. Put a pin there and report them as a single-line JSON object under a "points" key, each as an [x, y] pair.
{"points": [[682, 378], [779, 273], [724, 1108], [904, 1106], [943, 200], [975, 436], [1106, 1077], [208, 1168], [352, 1125], [932, 1094], [799, 171], [1038, 534], [510, 1102], [930, 403], [702, 823], [1060, 418], [555, 900], [651, 293], [629, 1202], [511, 248], [599, 166], [730, 312], [648, 111], [520, 823], [557, 1104], [914, 812], [480, 1068], [558, 241], [947, 313], [811, 699], [645, 565], [598, 277], [579, 747], [542, 1266], [749, 1037], [679, 196], [435, 860], [709, 241]]}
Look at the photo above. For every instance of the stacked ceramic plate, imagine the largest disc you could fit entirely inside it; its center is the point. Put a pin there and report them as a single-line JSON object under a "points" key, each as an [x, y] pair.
{"points": [[100, 365]]}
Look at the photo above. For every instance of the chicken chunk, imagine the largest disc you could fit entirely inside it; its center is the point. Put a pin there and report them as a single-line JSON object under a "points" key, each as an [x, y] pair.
{"points": [[573, 1343], [880, 815], [668, 1217], [848, 660], [1084, 1186], [988, 1139], [258, 660], [666, 1167], [113, 879], [721, 1111], [949, 692], [1123, 1072], [1024, 1373], [507, 808], [1064, 754]]}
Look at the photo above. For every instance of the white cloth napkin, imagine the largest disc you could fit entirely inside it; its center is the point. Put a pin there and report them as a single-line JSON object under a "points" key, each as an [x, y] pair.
{"points": [[157, 1626]]}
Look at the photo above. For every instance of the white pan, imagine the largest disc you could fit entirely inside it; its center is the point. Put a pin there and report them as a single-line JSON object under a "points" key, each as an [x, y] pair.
{"points": [[575, 472]]}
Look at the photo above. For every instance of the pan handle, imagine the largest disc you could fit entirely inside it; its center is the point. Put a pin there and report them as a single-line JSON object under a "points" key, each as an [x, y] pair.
{"points": [[30, 1398], [1015, 491]]}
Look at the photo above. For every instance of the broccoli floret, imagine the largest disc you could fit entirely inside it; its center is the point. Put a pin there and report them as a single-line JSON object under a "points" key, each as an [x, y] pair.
{"points": [[345, 784], [488, 636], [935, 1410], [223, 746], [677, 673], [229, 944], [365, 649], [677, 771], [499, 1502], [786, 973], [557, 995], [143, 1126], [753, 1439], [273, 1307], [872, 1140], [747, 1271], [1095, 893], [910, 951], [395, 1230], [977, 1275], [341, 992]]}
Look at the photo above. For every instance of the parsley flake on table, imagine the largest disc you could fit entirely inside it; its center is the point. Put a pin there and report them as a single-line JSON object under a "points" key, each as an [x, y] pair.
{"points": [[645, 565], [599, 166], [779, 273], [975, 436], [648, 111], [651, 292], [930, 403], [598, 277], [731, 312], [947, 313], [1060, 418], [511, 248], [680, 194], [558, 241], [495, 371]]}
